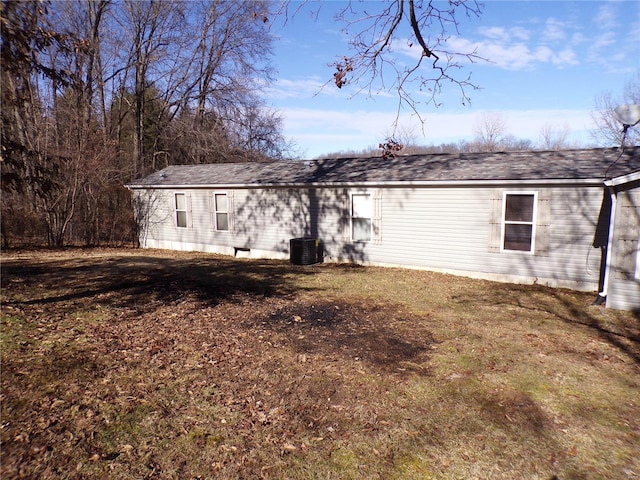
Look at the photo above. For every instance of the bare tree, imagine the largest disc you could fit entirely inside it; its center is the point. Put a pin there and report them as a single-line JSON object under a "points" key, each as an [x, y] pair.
{"points": [[405, 136], [554, 137], [609, 131], [152, 26], [491, 131], [97, 92], [34, 165], [378, 30], [231, 44], [190, 84], [81, 139]]}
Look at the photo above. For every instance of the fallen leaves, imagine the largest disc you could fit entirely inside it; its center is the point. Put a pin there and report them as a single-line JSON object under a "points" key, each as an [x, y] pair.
{"points": [[151, 380]]}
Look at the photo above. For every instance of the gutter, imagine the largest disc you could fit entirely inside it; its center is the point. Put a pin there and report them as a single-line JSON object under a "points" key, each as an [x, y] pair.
{"points": [[614, 182]]}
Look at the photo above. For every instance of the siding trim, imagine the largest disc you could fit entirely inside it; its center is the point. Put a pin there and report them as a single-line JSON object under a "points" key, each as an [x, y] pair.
{"points": [[376, 219], [495, 220], [543, 224]]}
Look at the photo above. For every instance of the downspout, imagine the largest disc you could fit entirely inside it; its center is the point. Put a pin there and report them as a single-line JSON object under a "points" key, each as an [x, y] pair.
{"points": [[607, 264]]}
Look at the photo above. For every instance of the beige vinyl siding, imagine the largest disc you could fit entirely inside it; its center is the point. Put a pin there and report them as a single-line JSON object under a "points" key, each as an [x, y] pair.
{"points": [[442, 228], [450, 229], [264, 218], [624, 286], [161, 229], [438, 228], [267, 219]]}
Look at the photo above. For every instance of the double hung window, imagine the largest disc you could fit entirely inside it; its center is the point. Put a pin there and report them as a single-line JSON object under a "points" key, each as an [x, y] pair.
{"points": [[518, 225], [180, 203], [361, 217], [221, 211]]}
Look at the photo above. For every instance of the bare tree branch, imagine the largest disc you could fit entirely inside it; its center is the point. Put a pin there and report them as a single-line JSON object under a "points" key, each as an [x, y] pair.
{"points": [[609, 131], [377, 37]]}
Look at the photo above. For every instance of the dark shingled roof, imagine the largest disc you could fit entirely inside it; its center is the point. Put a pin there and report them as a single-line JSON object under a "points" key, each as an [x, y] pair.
{"points": [[564, 165]]}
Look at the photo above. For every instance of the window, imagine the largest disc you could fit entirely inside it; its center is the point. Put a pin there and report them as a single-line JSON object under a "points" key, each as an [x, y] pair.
{"points": [[361, 217], [518, 221], [221, 211], [181, 210]]}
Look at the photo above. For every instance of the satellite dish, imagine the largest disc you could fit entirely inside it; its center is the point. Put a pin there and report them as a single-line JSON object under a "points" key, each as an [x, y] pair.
{"points": [[628, 115]]}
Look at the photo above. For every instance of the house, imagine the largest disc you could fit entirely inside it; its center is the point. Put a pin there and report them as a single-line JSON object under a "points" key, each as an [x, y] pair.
{"points": [[622, 267], [559, 218]]}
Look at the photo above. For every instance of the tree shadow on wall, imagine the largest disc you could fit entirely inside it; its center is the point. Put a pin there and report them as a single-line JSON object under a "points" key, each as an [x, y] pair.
{"points": [[269, 218]]}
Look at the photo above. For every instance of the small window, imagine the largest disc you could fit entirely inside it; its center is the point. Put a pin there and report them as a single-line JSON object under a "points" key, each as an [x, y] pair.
{"points": [[181, 210], [361, 215], [518, 222], [221, 211]]}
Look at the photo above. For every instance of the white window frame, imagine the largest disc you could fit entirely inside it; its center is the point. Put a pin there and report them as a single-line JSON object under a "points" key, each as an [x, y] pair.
{"points": [[504, 222], [177, 210], [215, 212], [352, 216]]}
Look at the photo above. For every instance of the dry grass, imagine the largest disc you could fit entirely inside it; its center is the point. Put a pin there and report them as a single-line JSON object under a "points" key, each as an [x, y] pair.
{"points": [[153, 364]]}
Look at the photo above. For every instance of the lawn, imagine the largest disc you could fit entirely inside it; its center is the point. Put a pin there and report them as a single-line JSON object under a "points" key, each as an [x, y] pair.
{"points": [[133, 364]]}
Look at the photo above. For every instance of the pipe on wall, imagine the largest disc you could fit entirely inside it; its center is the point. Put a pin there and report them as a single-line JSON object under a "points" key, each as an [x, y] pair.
{"points": [[607, 265]]}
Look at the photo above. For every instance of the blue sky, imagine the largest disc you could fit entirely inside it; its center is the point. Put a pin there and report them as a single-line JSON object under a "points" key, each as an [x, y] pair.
{"points": [[549, 60]]}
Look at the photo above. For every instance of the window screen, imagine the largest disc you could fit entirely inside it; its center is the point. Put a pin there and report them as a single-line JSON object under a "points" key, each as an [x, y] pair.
{"points": [[518, 222]]}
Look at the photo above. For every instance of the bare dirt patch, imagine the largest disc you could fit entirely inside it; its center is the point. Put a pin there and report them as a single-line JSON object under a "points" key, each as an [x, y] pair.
{"points": [[151, 364]]}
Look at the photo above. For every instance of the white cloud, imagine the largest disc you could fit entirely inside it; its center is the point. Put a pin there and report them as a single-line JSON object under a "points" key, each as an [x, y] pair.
{"points": [[606, 17], [495, 33], [599, 49], [521, 33], [578, 38], [554, 30], [516, 56], [565, 57], [509, 49], [505, 34], [323, 131], [306, 88]]}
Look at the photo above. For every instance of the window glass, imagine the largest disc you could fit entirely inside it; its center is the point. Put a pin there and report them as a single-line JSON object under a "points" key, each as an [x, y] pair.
{"points": [[181, 219], [362, 206], [181, 201], [361, 212], [519, 208], [518, 222], [221, 202], [517, 237], [222, 221], [362, 229]]}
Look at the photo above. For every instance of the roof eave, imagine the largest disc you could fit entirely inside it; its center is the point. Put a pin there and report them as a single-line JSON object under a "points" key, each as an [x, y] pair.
{"points": [[429, 183], [631, 177]]}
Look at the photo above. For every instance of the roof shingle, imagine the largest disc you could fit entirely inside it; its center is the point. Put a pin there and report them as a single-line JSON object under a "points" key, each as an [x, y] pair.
{"points": [[569, 165]]}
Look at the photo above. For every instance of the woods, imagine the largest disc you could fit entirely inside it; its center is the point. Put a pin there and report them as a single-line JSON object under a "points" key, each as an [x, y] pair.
{"points": [[98, 93]]}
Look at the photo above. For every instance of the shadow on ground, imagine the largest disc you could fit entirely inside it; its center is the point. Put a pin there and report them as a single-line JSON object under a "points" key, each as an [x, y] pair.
{"points": [[141, 281]]}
